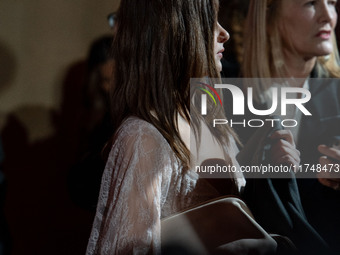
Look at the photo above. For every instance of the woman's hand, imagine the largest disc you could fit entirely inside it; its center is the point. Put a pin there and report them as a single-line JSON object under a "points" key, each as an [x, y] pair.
{"points": [[283, 150], [331, 162]]}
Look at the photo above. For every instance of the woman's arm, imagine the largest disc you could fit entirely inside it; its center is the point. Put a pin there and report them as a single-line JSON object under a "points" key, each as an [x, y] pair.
{"points": [[129, 208]]}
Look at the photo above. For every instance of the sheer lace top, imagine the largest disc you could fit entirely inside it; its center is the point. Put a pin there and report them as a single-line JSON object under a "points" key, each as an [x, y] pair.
{"points": [[143, 182]]}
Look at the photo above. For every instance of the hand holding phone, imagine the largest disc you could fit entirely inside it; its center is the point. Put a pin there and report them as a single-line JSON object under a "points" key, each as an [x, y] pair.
{"points": [[330, 161], [334, 142], [333, 150]]}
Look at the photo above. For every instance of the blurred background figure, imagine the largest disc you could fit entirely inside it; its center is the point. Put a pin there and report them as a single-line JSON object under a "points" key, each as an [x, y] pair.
{"points": [[85, 175], [99, 76], [232, 15], [98, 80], [84, 99]]}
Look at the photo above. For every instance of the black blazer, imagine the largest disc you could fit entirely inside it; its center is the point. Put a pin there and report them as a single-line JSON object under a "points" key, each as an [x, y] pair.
{"points": [[277, 204], [321, 204], [325, 120]]}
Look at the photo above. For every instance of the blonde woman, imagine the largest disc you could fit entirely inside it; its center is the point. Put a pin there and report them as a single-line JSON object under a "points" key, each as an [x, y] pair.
{"points": [[295, 39]]}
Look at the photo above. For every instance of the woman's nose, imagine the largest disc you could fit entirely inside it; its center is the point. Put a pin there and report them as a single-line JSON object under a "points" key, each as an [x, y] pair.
{"points": [[328, 13], [223, 35]]}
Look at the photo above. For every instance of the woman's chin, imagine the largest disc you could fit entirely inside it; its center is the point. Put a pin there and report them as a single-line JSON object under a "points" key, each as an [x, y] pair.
{"points": [[325, 50], [219, 66]]}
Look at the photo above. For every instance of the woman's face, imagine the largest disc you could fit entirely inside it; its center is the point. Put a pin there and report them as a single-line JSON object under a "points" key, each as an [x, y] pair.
{"points": [[106, 74], [220, 37], [306, 26]]}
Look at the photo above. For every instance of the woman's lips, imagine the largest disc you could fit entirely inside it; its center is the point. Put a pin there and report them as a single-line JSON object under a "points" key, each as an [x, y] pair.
{"points": [[220, 53], [324, 34]]}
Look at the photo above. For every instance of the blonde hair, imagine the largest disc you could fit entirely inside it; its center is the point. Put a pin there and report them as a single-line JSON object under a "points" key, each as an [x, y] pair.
{"points": [[263, 55]]}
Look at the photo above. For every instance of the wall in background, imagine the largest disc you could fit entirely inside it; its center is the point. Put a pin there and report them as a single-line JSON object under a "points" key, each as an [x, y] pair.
{"points": [[39, 39], [42, 43]]}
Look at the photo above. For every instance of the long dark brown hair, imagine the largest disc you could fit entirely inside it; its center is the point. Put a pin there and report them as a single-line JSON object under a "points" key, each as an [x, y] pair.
{"points": [[159, 45]]}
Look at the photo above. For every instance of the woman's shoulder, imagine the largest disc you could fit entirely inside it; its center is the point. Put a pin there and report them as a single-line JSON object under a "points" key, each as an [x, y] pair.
{"points": [[137, 127], [140, 149], [135, 132]]}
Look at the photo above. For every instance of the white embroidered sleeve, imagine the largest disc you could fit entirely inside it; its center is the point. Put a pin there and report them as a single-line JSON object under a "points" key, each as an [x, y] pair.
{"points": [[134, 187]]}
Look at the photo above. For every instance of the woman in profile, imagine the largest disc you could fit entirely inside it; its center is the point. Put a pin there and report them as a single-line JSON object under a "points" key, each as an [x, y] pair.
{"points": [[149, 174], [294, 40]]}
